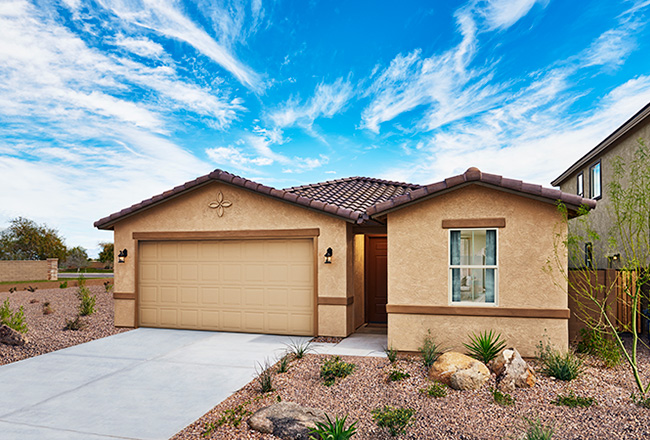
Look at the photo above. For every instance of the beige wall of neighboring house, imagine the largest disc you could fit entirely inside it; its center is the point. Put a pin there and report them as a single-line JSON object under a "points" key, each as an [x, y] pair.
{"points": [[529, 301], [248, 212]]}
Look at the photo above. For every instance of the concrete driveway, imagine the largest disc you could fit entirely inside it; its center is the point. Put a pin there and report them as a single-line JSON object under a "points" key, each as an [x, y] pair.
{"points": [[142, 384]]}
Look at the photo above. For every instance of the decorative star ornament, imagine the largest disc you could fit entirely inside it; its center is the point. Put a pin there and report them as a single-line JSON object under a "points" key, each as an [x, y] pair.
{"points": [[220, 204]]}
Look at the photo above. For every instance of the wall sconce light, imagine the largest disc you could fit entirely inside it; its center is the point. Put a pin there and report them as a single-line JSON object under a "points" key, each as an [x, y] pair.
{"points": [[611, 259], [121, 257], [328, 256]]}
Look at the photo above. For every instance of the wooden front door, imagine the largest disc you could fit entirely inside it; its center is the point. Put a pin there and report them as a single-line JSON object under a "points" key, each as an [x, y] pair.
{"points": [[376, 279]]}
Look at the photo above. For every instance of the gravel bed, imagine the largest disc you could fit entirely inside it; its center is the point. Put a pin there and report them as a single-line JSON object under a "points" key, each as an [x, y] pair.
{"points": [[461, 415], [45, 332]]}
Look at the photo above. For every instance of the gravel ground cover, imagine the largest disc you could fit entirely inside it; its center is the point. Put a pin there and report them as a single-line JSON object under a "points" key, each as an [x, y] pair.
{"points": [[461, 415], [46, 332]]}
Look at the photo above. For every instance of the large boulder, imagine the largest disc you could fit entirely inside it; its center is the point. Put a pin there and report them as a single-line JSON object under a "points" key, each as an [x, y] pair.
{"points": [[512, 371], [286, 420], [10, 336], [459, 371]]}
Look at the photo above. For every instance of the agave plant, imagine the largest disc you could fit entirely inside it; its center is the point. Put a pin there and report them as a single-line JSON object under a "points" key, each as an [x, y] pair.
{"points": [[485, 346], [333, 430]]}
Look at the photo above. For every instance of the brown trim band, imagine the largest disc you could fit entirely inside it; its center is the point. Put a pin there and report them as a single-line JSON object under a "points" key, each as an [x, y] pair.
{"points": [[334, 301], [505, 312], [475, 223], [227, 235], [124, 295]]}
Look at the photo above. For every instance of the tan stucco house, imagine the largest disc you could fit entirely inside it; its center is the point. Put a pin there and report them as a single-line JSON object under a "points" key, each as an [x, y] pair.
{"points": [[462, 255]]}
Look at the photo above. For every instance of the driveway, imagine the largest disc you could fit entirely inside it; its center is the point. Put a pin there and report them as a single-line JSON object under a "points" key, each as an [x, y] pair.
{"points": [[142, 384]]}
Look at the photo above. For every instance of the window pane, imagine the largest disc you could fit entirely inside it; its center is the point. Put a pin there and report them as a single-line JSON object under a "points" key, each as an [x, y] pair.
{"points": [[491, 247], [489, 285], [455, 247], [581, 189], [455, 285], [595, 181], [472, 248]]}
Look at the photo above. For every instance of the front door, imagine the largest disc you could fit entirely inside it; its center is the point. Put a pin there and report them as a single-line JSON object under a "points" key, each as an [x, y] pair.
{"points": [[376, 279]]}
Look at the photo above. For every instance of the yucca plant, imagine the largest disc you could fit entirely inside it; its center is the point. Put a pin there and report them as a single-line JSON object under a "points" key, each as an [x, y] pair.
{"points": [[485, 346], [299, 348], [535, 430], [430, 350], [333, 430]]}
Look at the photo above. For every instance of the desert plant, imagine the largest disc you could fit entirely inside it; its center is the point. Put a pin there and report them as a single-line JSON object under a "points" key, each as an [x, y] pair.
{"points": [[283, 364], [108, 286], [597, 342], [572, 401], [397, 375], [81, 281], [640, 400], [14, 320], [333, 430], [234, 416], [485, 346], [430, 350], [299, 348], [87, 302], [63, 285], [12, 289], [395, 420], [563, 366], [501, 398], [264, 377], [31, 289], [535, 430], [335, 367], [435, 389], [391, 354], [47, 308], [74, 324]]}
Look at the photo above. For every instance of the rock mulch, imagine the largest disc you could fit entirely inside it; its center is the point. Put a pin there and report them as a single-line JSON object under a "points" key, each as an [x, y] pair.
{"points": [[461, 415], [46, 332]]}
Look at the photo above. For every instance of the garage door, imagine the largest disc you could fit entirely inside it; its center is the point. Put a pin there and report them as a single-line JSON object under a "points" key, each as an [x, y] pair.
{"points": [[260, 286]]}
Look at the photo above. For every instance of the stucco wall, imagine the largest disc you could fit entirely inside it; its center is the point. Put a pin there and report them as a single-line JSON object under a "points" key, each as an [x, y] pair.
{"points": [[418, 268], [600, 217], [249, 211], [359, 280], [29, 270]]}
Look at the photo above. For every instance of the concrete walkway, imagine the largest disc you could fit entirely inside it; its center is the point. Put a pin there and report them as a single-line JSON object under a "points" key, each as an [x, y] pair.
{"points": [[142, 384]]}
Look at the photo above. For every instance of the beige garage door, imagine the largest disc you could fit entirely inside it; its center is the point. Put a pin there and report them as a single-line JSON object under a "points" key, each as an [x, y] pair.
{"points": [[261, 286]]}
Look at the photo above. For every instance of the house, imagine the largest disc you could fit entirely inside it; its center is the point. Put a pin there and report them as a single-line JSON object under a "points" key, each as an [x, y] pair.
{"points": [[590, 177], [458, 256]]}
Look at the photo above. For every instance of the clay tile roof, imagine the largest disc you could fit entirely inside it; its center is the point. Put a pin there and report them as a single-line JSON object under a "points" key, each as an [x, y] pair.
{"points": [[474, 175], [354, 193]]}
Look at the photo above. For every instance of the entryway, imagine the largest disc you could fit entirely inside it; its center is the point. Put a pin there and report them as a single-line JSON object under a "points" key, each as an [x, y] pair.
{"points": [[376, 279]]}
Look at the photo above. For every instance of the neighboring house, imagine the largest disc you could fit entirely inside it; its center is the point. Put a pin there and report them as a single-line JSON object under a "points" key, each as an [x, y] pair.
{"points": [[463, 255], [590, 177]]}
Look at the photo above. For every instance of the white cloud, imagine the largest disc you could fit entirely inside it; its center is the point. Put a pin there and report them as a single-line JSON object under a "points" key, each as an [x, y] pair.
{"points": [[501, 14], [235, 157], [141, 46], [611, 48]]}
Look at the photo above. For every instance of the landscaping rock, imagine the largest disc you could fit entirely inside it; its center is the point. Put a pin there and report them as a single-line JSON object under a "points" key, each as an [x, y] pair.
{"points": [[10, 336], [512, 371], [459, 371], [286, 420]]}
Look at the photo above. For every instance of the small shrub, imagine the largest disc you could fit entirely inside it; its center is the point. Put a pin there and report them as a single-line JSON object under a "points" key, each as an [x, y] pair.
{"points": [[47, 308], [430, 350], [63, 285], [573, 401], [598, 343], [209, 428], [435, 389], [397, 375], [14, 320], [31, 289], [335, 367], [641, 401], [299, 348], [391, 354], [485, 346], [500, 398], [74, 324], [81, 281], [333, 430], [264, 378], [563, 366], [12, 289], [535, 430], [108, 286], [87, 304], [234, 416], [283, 364], [395, 420]]}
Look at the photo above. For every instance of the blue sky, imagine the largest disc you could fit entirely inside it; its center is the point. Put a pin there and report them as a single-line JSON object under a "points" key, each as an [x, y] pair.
{"points": [[105, 103]]}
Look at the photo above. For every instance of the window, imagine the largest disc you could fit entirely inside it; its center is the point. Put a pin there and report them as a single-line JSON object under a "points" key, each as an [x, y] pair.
{"points": [[473, 265], [595, 181], [581, 185]]}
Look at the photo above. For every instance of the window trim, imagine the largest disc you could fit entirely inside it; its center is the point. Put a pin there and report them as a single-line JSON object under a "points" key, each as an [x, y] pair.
{"points": [[580, 181], [450, 292], [600, 180]]}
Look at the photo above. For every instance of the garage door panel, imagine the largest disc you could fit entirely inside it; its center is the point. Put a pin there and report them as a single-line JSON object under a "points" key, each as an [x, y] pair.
{"points": [[261, 286]]}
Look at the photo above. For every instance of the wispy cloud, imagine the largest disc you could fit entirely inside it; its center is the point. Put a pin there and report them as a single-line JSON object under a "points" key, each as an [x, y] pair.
{"points": [[501, 14]]}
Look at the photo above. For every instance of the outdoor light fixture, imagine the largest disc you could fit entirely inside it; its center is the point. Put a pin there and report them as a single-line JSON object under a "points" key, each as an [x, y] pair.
{"points": [[328, 256], [121, 257], [611, 259]]}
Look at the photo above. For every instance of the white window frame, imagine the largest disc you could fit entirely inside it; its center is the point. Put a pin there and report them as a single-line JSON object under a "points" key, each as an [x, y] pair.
{"points": [[598, 164], [451, 301], [580, 181]]}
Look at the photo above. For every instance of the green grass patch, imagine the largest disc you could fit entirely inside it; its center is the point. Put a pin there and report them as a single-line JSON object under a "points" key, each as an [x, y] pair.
{"points": [[573, 401]]}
